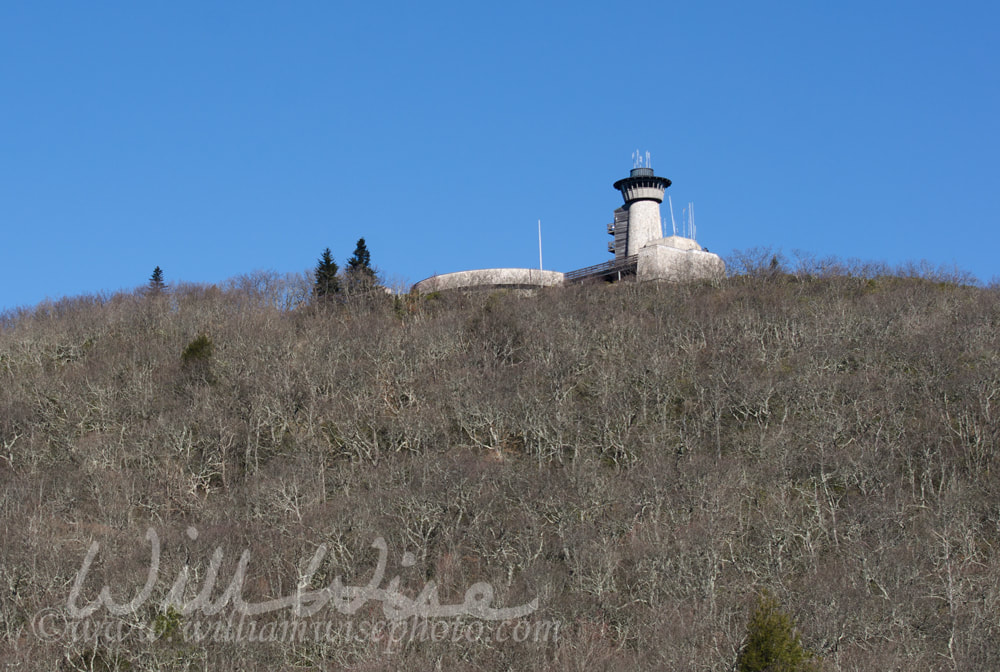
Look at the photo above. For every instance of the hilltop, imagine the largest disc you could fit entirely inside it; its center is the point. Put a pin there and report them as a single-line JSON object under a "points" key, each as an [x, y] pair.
{"points": [[642, 459]]}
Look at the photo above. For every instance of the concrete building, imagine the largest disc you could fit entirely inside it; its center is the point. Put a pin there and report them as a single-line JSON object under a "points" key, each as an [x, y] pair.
{"points": [[639, 247], [638, 235]]}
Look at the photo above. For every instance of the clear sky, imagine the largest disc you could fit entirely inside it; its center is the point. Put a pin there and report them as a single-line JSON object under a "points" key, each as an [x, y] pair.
{"points": [[216, 138]]}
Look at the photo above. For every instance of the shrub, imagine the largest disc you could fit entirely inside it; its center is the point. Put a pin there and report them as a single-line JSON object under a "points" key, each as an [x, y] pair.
{"points": [[198, 351], [167, 624], [772, 643], [196, 360]]}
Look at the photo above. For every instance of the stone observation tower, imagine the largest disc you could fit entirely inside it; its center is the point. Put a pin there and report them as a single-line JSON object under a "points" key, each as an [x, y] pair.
{"points": [[638, 221], [641, 252], [639, 246]]}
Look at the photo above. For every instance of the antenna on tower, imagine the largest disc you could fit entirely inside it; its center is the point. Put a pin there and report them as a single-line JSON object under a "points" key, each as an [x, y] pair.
{"points": [[691, 229], [649, 162], [672, 220]]}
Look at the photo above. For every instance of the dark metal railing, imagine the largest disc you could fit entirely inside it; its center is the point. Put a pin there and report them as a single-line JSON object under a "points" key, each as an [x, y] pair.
{"points": [[626, 266]]}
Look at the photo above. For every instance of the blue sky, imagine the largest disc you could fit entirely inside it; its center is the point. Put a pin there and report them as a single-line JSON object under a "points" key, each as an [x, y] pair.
{"points": [[213, 139]]}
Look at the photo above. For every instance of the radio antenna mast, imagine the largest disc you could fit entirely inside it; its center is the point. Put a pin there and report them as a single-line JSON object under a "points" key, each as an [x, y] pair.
{"points": [[672, 220]]}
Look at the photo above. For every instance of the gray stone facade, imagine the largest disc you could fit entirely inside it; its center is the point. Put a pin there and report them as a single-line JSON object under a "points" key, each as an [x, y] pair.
{"points": [[677, 259]]}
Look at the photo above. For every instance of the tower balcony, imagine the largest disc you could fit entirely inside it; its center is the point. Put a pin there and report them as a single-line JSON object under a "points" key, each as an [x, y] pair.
{"points": [[642, 184], [642, 188]]}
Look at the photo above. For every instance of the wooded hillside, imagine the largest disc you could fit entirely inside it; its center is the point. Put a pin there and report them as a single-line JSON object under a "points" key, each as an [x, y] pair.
{"points": [[644, 460]]}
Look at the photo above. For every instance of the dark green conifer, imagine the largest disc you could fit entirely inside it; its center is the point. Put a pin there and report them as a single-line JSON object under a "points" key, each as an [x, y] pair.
{"points": [[156, 284], [326, 283], [359, 271]]}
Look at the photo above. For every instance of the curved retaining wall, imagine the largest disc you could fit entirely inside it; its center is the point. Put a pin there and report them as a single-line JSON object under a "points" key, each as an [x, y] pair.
{"points": [[491, 277]]}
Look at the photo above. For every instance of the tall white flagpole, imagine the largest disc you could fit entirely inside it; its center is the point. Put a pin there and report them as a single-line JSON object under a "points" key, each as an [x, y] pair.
{"points": [[539, 244]]}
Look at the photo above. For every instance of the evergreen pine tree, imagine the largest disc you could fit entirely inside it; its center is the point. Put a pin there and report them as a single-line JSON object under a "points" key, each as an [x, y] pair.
{"points": [[772, 644], [156, 284], [326, 284], [359, 271]]}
